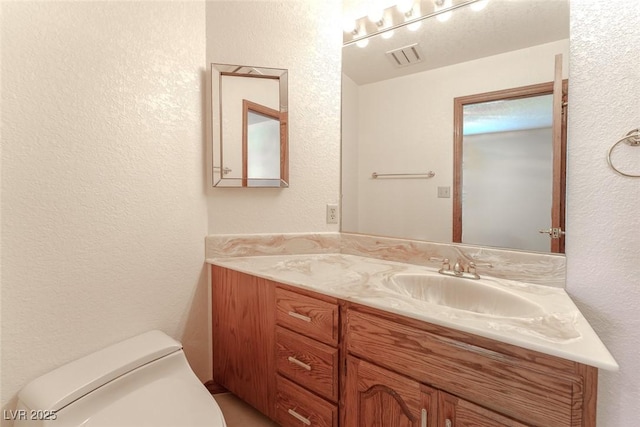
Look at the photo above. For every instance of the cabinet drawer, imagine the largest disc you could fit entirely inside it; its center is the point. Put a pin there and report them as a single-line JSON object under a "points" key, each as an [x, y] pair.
{"points": [[493, 380], [308, 316], [296, 407], [308, 362]]}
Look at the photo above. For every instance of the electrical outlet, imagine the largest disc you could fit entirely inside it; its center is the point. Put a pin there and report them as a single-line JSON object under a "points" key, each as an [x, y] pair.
{"points": [[332, 213], [444, 192]]}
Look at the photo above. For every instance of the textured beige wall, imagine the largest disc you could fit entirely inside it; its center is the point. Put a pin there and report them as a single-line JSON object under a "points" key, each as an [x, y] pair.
{"points": [[103, 208], [603, 226]]}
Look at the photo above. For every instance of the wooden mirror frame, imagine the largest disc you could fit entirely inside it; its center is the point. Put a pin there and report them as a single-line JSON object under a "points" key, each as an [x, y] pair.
{"points": [[559, 152]]}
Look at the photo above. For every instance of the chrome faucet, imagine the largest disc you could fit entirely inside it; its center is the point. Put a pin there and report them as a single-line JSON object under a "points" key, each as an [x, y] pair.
{"points": [[459, 269]]}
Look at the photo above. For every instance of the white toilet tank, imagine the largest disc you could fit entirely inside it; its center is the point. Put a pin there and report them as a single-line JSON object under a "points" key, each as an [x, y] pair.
{"points": [[143, 381]]}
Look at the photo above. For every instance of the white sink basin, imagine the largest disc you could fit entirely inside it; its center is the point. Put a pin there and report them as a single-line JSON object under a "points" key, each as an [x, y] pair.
{"points": [[464, 294]]}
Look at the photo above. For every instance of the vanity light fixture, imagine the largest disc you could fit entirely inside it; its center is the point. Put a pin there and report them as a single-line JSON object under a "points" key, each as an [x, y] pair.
{"points": [[409, 13]]}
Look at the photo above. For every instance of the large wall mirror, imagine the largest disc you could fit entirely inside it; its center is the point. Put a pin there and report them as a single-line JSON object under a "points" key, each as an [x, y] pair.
{"points": [[250, 126], [398, 120]]}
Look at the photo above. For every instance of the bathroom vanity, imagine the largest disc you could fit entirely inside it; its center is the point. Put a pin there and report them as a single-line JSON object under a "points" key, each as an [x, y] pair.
{"points": [[322, 340]]}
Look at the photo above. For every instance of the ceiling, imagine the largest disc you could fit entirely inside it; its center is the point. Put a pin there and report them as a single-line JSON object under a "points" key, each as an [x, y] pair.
{"points": [[502, 26]]}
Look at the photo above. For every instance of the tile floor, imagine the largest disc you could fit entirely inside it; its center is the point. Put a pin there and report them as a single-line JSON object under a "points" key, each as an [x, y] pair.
{"points": [[239, 414]]}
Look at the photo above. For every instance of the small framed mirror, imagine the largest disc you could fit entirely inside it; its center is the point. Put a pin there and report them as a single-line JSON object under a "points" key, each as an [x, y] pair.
{"points": [[250, 126]]}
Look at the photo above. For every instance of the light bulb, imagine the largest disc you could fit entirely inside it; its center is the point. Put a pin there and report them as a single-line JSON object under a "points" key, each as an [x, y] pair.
{"points": [[414, 26], [387, 34], [376, 16], [415, 12], [440, 5], [443, 17], [348, 24], [362, 43], [479, 5], [405, 6]]}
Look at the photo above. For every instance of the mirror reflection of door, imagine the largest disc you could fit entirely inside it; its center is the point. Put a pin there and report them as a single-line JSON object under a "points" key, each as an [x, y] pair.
{"points": [[504, 149], [261, 145]]}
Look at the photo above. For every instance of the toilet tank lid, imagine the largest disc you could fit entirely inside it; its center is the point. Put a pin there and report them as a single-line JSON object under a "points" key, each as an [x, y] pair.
{"points": [[58, 388]]}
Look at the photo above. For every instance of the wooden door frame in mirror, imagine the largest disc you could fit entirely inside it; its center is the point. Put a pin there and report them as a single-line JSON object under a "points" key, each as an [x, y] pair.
{"points": [[514, 93], [274, 114]]}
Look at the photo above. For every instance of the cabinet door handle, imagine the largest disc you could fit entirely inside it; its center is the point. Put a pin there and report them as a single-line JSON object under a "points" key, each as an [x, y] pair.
{"points": [[423, 421], [299, 363], [300, 316], [299, 417], [448, 423]]}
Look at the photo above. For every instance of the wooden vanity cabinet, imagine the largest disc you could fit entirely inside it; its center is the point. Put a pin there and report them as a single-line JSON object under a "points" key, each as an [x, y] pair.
{"points": [[306, 359], [243, 337]]}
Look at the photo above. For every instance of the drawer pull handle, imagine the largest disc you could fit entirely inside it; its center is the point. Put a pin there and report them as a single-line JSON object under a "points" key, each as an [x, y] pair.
{"points": [[300, 316], [299, 363], [294, 414], [448, 423], [423, 422]]}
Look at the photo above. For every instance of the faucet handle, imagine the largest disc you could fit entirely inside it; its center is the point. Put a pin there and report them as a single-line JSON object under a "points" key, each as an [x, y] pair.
{"points": [[445, 262], [472, 266]]}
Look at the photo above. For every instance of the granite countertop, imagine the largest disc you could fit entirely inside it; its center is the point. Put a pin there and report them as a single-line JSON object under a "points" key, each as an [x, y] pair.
{"points": [[557, 328]]}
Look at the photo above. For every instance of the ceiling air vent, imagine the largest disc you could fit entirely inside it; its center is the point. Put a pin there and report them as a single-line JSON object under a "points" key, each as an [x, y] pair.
{"points": [[405, 56]]}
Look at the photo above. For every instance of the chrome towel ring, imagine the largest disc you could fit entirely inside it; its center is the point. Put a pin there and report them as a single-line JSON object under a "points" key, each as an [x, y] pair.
{"points": [[633, 139]]}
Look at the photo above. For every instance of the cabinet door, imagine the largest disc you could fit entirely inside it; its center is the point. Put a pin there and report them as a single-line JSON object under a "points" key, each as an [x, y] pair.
{"points": [[244, 337], [376, 397], [456, 412]]}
